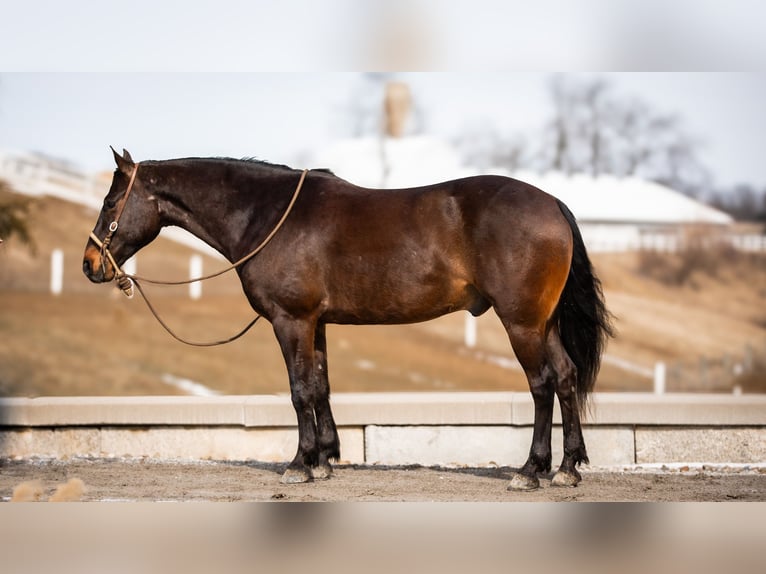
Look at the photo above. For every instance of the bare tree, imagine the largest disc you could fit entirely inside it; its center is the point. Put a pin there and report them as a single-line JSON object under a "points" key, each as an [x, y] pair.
{"points": [[484, 147], [593, 130], [744, 202], [597, 114], [557, 144]]}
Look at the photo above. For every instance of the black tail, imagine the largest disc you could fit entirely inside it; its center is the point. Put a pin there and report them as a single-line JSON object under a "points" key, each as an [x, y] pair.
{"points": [[583, 320]]}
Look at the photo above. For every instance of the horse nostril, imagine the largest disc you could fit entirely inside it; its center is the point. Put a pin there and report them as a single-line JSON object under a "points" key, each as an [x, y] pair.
{"points": [[86, 268]]}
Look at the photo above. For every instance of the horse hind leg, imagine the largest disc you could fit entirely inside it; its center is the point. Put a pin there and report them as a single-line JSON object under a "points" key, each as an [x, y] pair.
{"points": [[565, 380], [529, 345]]}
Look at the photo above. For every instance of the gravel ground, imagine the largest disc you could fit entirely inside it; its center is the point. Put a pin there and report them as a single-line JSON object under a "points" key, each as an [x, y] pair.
{"points": [[151, 480]]}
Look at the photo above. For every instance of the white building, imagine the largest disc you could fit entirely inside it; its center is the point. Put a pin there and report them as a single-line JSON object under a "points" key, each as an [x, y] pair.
{"points": [[616, 214]]}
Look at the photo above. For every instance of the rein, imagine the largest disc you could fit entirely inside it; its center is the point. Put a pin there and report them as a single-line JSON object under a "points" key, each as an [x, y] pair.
{"points": [[126, 281]]}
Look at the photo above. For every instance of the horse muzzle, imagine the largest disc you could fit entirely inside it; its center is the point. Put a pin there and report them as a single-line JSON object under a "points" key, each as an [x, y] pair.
{"points": [[95, 267]]}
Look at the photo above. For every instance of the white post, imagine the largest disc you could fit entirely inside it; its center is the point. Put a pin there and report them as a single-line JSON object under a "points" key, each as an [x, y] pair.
{"points": [[57, 271], [659, 378], [470, 330], [195, 270]]}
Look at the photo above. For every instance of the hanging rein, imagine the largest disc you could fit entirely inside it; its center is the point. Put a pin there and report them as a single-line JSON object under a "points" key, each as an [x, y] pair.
{"points": [[126, 281]]}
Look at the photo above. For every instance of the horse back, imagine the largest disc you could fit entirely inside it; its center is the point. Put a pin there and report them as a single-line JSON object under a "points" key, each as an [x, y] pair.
{"points": [[358, 255]]}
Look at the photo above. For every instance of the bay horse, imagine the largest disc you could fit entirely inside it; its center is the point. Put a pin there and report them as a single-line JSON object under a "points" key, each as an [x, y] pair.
{"points": [[352, 255]]}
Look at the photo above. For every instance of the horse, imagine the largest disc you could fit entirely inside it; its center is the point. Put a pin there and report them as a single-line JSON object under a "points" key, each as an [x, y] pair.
{"points": [[353, 255]]}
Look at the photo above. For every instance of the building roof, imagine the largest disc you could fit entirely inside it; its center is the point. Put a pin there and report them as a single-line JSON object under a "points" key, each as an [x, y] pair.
{"points": [[609, 199], [422, 160]]}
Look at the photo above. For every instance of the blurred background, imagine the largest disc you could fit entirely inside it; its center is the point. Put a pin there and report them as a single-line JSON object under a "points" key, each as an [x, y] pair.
{"points": [[663, 171]]}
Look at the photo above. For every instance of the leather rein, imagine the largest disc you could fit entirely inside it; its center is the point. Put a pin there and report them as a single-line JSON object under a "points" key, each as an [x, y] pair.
{"points": [[126, 281]]}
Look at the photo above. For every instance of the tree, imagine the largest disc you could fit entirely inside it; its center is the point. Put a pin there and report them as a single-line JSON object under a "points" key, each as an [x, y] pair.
{"points": [[595, 131], [13, 218], [483, 146], [744, 202]]}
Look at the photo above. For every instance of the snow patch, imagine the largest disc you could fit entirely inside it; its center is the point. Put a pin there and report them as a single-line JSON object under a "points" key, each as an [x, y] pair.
{"points": [[188, 386]]}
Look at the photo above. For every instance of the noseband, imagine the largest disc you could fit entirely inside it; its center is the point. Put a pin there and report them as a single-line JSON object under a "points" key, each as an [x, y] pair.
{"points": [[125, 283]]}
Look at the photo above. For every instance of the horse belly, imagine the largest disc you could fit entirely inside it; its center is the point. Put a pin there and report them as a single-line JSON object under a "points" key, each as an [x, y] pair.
{"points": [[387, 294]]}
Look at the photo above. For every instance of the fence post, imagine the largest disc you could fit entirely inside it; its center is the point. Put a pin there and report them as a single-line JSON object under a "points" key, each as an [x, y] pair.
{"points": [[57, 271], [470, 330], [195, 270], [659, 378]]}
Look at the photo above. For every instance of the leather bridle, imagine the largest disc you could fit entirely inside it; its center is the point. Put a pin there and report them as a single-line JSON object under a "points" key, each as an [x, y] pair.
{"points": [[124, 281]]}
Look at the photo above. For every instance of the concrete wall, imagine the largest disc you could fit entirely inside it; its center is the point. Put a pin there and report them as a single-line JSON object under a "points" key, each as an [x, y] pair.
{"points": [[386, 428]]}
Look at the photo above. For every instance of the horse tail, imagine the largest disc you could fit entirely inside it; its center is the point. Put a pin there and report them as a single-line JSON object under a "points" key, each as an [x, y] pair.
{"points": [[584, 322]]}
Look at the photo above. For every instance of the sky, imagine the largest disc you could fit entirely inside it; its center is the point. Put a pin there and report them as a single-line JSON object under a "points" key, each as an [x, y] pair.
{"points": [[285, 117], [443, 35]]}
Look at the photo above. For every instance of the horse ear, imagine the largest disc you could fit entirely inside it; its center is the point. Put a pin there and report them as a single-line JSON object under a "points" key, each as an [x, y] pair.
{"points": [[124, 164], [126, 155]]}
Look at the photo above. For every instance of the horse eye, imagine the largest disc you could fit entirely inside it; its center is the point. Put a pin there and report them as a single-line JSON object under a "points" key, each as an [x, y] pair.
{"points": [[110, 202]]}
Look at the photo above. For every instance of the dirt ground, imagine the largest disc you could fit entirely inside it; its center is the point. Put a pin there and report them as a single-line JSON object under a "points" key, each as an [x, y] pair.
{"points": [[148, 480]]}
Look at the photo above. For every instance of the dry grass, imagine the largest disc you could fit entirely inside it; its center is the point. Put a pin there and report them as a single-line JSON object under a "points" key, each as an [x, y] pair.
{"points": [[91, 340]]}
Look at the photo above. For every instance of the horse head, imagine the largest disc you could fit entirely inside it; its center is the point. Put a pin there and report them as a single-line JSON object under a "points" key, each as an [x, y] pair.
{"points": [[129, 220]]}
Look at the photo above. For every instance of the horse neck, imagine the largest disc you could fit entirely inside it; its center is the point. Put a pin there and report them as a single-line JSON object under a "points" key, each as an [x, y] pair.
{"points": [[221, 210]]}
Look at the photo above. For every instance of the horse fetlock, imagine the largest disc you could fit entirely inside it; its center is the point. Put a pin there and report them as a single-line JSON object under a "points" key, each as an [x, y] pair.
{"points": [[538, 462], [329, 448], [577, 456]]}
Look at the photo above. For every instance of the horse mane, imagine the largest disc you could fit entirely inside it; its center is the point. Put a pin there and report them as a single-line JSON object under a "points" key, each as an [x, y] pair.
{"points": [[248, 160], [279, 166]]}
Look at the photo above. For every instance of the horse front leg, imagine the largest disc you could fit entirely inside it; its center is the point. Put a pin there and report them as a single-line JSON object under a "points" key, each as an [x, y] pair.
{"points": [[296, 339], [329, 443]]}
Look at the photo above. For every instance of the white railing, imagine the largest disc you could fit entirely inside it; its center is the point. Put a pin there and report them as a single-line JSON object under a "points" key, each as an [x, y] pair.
{"points": [[36, 175], [673, 243]]}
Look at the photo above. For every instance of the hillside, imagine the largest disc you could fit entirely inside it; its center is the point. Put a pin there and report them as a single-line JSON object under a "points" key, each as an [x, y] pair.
{"points": [[91, 340]]}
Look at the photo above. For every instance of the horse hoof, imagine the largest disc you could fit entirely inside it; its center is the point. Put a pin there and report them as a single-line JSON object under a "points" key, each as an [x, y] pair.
{"points": [[523, 482], [295, 476], [562, 478], [321, 472]]}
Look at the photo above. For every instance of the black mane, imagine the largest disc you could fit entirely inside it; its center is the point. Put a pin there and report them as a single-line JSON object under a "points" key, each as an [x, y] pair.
{"points": [[281, 166], [262, 162]]}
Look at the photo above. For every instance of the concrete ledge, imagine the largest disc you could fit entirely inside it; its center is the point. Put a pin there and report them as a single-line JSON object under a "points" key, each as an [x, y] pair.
{"points": [[390, 428], [486, 445], [734, 444], [358, 409], [167, 443]]}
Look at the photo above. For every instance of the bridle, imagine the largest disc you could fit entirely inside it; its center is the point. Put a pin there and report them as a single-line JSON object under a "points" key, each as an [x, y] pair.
{"points": [[126, 281], [123, 279]]}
